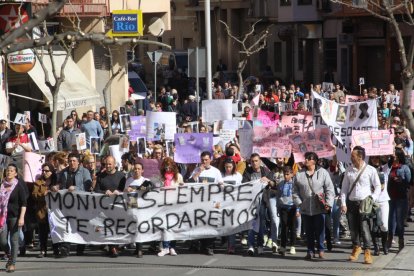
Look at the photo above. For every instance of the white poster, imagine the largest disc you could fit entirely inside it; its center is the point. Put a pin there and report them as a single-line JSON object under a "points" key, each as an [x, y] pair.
{"points": [[187, 212], [161, 125], [342, 119], [46, 145], [216, 110], [81, 141], [20, 119], [42, 118]]}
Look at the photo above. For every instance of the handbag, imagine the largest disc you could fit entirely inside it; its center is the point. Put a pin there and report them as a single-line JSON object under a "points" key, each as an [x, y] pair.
{"points": [[320, 197]]}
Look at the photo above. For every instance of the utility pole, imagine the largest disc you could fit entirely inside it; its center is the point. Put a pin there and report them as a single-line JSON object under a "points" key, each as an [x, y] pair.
{"points": [[208, 47]]}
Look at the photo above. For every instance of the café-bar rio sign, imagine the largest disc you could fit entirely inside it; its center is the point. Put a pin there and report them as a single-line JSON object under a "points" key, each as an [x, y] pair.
{"points": [[127, 23]]}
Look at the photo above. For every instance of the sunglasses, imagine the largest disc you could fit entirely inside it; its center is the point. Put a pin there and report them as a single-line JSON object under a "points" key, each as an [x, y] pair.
{"points": [[45, 170]]}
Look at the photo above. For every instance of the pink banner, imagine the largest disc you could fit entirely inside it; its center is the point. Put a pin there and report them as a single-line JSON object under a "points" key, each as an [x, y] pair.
{"points": [[353, 99], [318, 141], [271, 142], [265, 118], [299, 122], [375, 142], [32, 166]]}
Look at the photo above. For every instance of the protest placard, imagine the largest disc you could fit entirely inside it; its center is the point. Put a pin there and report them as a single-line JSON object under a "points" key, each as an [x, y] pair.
{"points": [[42, 118], [193, 211], [246, 142], [216, 110], [123, 143], [265, 118], [33, 141], [375, 142], [138, 127], [318, 141], [32, 166], [353, 99], [81, 141], [95, 145], [46, 145], [226, 136], [271, 142], [151, 168], [298, 122], [189, 146], [20, 119], [328, 86], [161, 125], [125, 120]]}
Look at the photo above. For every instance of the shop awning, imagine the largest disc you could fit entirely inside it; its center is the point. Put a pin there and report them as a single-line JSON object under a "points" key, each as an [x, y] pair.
{"points": [[76, 91]]}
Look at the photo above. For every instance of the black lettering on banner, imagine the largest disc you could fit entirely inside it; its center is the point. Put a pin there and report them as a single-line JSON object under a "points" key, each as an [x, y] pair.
{"points": [[179, 195], [94, 202], [108, 223], [243, 214], [165, 199], [101, 202], [228, 189], [253, 212], [198, 217], [120, 226], [81, 225], [227, 213], [145, 223], [212, 192], [145, 199], [68, 218], [185, 219], [85, 203], [194, 191], [55, 197], [239, 192], [121, 202], [156, 223], [72, 202], [211, 218], [132, 223], [177, 220]]}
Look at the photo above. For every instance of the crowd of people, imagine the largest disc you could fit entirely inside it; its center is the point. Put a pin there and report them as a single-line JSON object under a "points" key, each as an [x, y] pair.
{"points": [[290, 209]]}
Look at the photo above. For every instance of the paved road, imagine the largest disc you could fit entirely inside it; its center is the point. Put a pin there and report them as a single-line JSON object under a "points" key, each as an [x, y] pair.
{"points": [[96, 263]]}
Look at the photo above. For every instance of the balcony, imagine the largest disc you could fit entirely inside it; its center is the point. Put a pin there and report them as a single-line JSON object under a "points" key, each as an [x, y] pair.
{"points": [[85, 8]]}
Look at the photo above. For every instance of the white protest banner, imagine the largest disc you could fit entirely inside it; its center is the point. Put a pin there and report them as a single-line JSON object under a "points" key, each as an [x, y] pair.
{"points": [[375, 142], [20, 119], [42, 118], [318, 141], [246, 142], [4, 161], [32, 166], [161, 125], [187, 212], [271, 142], [343, 119], [216, 110]]}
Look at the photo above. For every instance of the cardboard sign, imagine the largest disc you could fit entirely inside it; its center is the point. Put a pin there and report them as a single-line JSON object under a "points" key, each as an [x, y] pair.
{"points": [[189, 146], [42, 118], [375, 142]]}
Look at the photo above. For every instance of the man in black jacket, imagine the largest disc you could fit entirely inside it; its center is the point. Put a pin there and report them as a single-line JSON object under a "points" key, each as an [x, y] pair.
{"points": [[189, 110], [5, 134]]}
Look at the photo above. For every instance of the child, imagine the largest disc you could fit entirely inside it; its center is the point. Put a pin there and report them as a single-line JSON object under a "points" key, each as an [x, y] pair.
{"points": [[287, 211]]}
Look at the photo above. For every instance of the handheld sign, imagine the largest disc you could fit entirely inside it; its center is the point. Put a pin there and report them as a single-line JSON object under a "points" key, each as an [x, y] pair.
{"points": [[20, 119], [42, 118]]}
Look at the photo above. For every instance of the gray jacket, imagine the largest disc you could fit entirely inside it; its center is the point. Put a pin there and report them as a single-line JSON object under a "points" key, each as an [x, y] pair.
{"points": [[83, 180], [67, 139], [304, 198]]}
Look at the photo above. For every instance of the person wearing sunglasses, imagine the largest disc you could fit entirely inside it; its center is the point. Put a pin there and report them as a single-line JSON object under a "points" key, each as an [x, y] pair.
{"points": [[40, 189], [312, 184]]}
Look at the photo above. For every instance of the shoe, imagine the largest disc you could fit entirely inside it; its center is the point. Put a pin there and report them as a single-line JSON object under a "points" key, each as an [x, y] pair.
{"points": [[367, 257], [250, 251], [209, 252], [337, 242], [376, 250], [243, 241], [308, 256], [292, 250], [172, 252], [10, 268], [30, 246], [260, 250], [329, 245], [384, 237], [114, 253], [282, 251], [400, 244], [355, 253], [274, 247], [139, 254], [41, 255], [298, 237], [409, 219], [22, 252], [163, 252], [321, 255]]}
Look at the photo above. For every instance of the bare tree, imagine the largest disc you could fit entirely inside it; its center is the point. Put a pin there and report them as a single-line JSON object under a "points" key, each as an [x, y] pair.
{"points": [[248, 48], [396, 14]]}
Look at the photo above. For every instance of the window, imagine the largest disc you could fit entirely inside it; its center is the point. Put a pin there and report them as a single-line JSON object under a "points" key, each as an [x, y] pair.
{"points": [[304, 2], [285, 3], [278, 56], [330, 51]]}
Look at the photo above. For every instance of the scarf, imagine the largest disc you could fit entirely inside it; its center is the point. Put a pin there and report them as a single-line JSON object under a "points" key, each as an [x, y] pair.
{"points": [[168, 179], [4, 199]]}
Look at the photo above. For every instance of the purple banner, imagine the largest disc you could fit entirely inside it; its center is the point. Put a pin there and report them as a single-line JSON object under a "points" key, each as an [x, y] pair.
{"points": [[189, 146], [138, 128]]}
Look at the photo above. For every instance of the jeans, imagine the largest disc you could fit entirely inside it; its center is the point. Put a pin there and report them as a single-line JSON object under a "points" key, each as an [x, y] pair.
{"points": [[315, 230], [10, 228], [252, 233], [274, 219], [168, 244], [358, 225], [398, 213], [336, 215], [288, 218]]}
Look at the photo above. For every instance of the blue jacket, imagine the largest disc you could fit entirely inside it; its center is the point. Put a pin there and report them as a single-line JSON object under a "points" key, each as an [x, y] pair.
{"points": [[83, 180]]}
